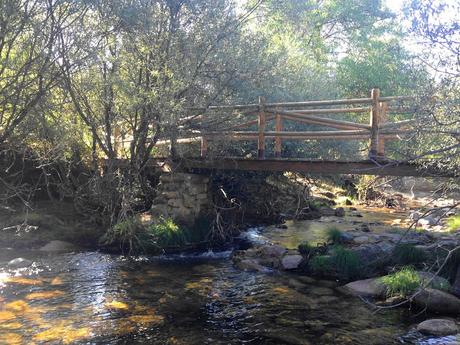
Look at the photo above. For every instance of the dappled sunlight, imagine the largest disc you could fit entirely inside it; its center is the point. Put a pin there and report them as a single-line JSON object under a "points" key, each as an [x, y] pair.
{"points": [[5, 278], [116, 305], [45, 294], [11, 339], [64, 332]]}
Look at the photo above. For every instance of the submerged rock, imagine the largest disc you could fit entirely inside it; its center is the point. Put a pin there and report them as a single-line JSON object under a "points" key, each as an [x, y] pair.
{"points": [[250, 265], [59, 246], [437, 301], [19, 263], [339, 212], [438, 327], [371, 287]]}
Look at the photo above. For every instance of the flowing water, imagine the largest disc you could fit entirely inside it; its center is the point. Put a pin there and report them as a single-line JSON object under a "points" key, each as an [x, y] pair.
{"points": [[95, 298]]}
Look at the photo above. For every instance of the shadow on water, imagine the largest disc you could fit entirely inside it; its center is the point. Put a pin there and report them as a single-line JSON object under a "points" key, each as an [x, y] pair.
{"points": [[94, 298]]}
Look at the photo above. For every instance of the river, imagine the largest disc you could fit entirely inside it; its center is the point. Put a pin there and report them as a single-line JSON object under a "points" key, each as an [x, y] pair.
{"points": [[97, 298]]}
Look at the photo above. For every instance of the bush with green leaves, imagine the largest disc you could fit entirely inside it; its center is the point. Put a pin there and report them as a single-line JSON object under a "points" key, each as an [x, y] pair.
{"points": [[454, 223], [168, 234], [127, 234], [402, 283], [407, 254]]}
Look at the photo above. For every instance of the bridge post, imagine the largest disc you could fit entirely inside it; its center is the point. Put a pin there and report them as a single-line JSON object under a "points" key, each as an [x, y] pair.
{"points": [[261, 125], [278, 128], [374, 123], [204, 146], [383, 120]]}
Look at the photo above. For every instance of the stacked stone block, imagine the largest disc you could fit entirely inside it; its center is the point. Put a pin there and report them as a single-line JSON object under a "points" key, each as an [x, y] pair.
{"points": [[182, 197]]}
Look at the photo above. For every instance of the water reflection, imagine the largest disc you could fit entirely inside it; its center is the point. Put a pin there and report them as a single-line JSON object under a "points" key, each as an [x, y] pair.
{"points": [[102, 299]]}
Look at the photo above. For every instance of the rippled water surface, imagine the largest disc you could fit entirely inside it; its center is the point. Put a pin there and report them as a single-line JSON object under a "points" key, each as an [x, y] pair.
{"points": [[94, 298]]}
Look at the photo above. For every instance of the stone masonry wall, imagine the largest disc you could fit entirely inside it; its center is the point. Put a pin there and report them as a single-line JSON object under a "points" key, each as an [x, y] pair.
{"points": [[182, 197]]}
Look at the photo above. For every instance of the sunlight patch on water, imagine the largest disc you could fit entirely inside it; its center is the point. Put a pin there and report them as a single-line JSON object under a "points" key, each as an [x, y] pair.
{"points": [[45, 295]]}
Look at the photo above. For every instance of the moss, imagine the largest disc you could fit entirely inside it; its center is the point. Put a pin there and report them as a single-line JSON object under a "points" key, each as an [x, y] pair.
{"points": [[402, 283], [334, 235], [406, 254]]}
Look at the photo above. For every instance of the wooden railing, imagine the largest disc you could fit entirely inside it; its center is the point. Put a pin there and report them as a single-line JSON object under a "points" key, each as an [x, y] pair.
{"points": [[377, 131]]}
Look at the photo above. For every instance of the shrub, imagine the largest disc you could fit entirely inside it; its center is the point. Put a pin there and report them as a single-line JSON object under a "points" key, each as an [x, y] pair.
{"points": [[127, 233], [402, 283], [334, 235], [167, 233], [321, 264], [454, 223], [305, 248], [406, 254], [343, 262], [346, 262]]}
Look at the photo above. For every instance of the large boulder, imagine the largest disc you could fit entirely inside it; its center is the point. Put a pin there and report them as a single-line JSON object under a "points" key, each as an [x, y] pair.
{"points": [[291, 261], [437, 301], [438, 327], [59, 246], [371, 287]]}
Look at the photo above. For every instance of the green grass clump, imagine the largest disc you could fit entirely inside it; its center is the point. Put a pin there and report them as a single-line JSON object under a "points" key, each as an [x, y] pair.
{"points": [[321, 264], [334, 235], [305, 248], [453, 223], [127, 234], [406, 254], [343, 263], [402, 283], [167, 233], [347, 263]]}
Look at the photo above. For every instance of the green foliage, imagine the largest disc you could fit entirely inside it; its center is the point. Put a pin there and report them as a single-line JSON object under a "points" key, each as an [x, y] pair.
{"points": [[128, 234], [346, 262], [321, 264], [168, 234], [334, 235], [305, 248], [454, 223], [402, 283], [406, 254]]}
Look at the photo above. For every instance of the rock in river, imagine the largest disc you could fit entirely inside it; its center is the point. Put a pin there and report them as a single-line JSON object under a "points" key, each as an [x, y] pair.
{"points": [[438, 327], [372, 287], [19, 263], [59, 246], [437, 301], [291, 262]]}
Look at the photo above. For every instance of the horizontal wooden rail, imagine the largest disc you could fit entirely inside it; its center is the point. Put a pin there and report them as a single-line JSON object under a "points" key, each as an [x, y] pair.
{"points": [[340, 124], [329, 111]]}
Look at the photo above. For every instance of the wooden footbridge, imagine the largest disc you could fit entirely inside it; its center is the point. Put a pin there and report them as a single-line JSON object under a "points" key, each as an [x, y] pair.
{"points": [[265, 122]]}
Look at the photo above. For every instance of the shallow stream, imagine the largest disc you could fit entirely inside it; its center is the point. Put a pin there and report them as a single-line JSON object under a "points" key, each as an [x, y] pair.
{"points": [[95, 298]]}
